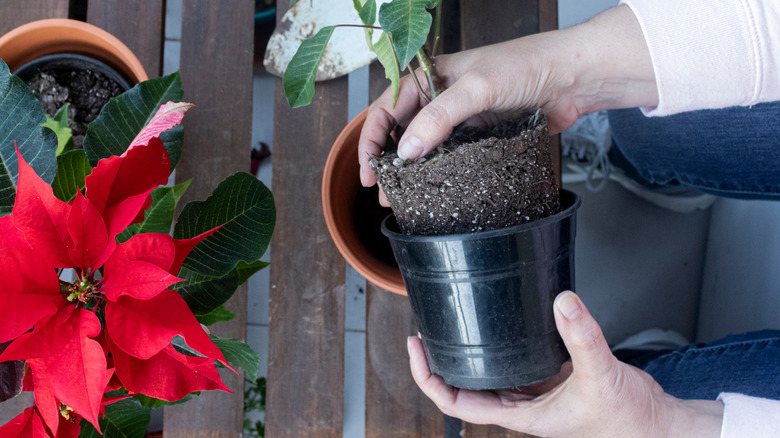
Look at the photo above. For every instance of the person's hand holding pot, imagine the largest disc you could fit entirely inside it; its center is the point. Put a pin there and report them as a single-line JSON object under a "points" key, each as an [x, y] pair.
{"points": [[595, 395]]}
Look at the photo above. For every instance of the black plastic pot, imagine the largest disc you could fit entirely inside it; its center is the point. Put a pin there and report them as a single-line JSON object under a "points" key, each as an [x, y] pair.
{"points": [[484, 301]]}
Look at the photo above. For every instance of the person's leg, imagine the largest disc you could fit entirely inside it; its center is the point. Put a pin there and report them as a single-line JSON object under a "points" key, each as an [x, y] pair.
{"points": [[747, 364], [732, 152]]}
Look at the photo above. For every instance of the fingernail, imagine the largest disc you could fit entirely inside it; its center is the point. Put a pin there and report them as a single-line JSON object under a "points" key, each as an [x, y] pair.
{"points": [[409, 344], [362, 178], [569, 305], [410, 148]]}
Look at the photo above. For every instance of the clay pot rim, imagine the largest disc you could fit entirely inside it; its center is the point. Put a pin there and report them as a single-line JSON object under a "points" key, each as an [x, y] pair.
{"points": [[343, 153], [62, 35]]}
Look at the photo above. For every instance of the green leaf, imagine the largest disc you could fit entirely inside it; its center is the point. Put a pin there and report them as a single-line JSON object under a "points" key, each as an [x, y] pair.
{"points": [[59, 124], [72, 168], [180, 345], [21, 117], [367, 12], [204, 293], [123, 117], [220, 314], [155, 403], [158, 218], [239, 354], [408, 23], [301, 73], [124, 419], [386, 55], [246, 270], [244, 207]]}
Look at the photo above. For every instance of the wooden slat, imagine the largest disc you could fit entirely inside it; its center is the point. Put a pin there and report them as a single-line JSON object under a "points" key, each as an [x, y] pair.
{"points": [[307, 297], [395, 406], [139, 27], [14, 13], [216, 70]]}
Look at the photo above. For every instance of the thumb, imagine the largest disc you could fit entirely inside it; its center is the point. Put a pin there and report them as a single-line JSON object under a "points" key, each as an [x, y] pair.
{"points": [[435, 121], [582, 335]]}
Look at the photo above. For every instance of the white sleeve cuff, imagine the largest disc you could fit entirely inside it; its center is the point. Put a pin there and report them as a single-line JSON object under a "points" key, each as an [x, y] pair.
{"points": [[745, 416], [711, 54]]}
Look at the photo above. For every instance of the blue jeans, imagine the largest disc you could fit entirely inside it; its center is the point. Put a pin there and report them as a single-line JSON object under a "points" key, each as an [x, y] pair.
{"points": [[733, 152], [747, 363]]}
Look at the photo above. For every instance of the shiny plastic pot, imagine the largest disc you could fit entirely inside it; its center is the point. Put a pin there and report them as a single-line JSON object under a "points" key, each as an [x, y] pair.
{"points": [[484, 301]]}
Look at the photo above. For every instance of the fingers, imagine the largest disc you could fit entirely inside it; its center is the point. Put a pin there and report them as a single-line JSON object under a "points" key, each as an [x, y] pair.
{"points": [[434, 123], [382, 118], [433, 386], [589, 351]]}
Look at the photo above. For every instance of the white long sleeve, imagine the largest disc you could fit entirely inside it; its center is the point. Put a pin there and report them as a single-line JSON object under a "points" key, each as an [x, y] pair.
{"points": [[752, 417], [711, 53]]}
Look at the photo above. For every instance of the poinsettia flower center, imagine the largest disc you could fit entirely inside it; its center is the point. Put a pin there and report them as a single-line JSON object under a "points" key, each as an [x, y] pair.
{"points": [[85, 291], [68, 413]]}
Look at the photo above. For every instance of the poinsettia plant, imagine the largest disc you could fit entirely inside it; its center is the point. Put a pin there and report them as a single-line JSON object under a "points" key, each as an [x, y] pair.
{"points": [[102, 309]]}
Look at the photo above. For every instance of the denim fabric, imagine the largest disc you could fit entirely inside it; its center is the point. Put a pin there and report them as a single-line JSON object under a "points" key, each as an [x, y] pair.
{"points": [[733, 152], [747, 363]]}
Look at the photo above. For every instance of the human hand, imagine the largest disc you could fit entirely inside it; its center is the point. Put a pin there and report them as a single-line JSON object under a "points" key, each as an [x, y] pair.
{"points": [[602, 64], [594, 396]]}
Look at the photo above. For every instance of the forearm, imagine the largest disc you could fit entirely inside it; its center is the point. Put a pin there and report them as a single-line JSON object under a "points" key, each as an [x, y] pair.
{"points": [[607, 64]]}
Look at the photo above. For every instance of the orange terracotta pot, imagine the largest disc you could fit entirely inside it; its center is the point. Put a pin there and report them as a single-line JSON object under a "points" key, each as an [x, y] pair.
{"points": [[340, 186], [59, 35]]}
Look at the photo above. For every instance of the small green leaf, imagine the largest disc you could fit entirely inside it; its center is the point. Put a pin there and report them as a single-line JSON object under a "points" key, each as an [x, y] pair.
{"points": [[367, 12], [246, 270], [220, 314], [124, 419], [301, 73], [21, 117], [386, 55], [239, 354], [59, 124], [204, 293], [123, 117], [158, 218], [72, 168], [155, 403], [409, 24], [244, 207]]}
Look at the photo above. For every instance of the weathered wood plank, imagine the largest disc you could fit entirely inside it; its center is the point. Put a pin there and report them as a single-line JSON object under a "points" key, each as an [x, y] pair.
{"points": [[140, 28], [306, 321], [216, 70], [395, 406], [14, 13]]}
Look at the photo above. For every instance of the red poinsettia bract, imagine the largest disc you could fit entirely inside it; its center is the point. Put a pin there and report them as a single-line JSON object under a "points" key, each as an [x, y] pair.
{"points": [[107, 329]]}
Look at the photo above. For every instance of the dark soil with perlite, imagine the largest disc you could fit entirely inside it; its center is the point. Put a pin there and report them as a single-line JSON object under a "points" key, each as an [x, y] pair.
{"points": [[86, 92], [478, 180]]}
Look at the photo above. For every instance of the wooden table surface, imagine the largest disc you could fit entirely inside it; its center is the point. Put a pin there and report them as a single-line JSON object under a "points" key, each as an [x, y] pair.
{"points": [[307, 302]]}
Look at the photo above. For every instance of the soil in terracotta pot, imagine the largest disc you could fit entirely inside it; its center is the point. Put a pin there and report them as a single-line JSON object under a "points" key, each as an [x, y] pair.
{"points": [[478, 180], [86, 92]]}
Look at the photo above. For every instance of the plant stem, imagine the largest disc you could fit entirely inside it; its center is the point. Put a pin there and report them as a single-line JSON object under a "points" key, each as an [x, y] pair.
{"points": [[437, 31], [429, 69]]}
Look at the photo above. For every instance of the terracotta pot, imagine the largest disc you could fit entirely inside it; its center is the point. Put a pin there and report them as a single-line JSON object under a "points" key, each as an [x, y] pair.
{"points": [[59, 35], [341, 189]]}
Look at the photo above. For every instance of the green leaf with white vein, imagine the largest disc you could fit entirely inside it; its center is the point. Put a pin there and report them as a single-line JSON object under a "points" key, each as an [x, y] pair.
{"points": [[124, 116], [238, 353], [158, 218], [408, 23], [72, 168], [386, 55], [21, 117], [244, 207], [301, 72], [124, 419]]}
